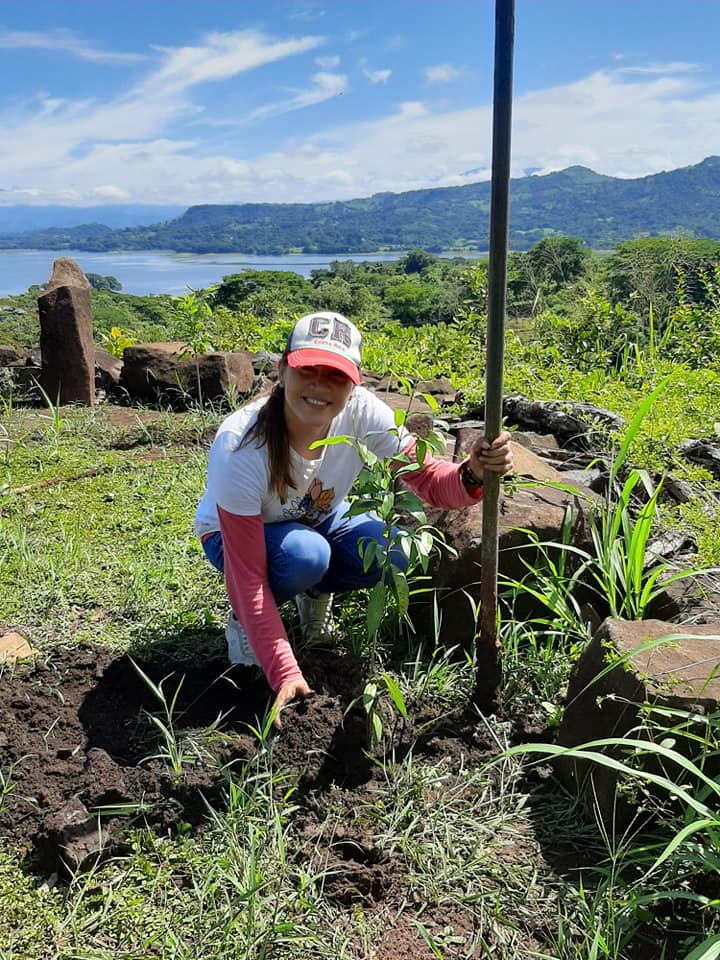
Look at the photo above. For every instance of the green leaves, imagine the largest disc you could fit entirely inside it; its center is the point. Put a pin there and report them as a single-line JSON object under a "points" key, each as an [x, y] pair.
{"points": [[375, 609], [394, 690]]}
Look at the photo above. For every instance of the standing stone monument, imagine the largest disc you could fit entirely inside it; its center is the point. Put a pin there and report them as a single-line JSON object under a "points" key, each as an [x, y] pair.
{"points": [[66, 343]]}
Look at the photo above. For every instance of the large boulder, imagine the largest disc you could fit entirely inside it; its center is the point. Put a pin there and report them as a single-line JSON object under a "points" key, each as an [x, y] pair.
{"points": [[66, 341], [162, 372], [535, 507], [628, 664]]}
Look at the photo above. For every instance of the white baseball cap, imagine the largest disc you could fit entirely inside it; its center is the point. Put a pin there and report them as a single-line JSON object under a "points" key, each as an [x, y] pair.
{"points": [[326, 340]]}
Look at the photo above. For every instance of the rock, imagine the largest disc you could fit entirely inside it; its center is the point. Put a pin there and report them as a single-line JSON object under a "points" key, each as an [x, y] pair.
{"points": [[9, 355], [441, 390], [420, 416], [680, 675], [222, 376], [68, 374], [72, 838], [694, 599], [574, 424], [149, 369], [539, 509], [265, 364], [24, 379], [13, 646], [107, 370], [703, 454], [162, 372]]}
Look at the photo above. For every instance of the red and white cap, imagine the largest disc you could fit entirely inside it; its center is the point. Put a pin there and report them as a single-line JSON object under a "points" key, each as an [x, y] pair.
{"points": [[326, 340]]}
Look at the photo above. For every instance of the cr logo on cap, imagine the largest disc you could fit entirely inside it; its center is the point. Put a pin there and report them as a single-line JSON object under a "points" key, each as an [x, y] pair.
{"points": [[320, 327]]}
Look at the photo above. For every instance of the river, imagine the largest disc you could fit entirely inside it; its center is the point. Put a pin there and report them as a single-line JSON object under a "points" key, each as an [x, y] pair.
{"points": [[144, 272]]}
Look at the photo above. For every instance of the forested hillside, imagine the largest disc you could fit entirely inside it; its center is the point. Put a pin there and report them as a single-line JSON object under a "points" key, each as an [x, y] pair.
{"points": [[601, 211]]}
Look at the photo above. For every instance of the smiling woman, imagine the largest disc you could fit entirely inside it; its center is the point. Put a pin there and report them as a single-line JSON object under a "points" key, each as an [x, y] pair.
{"points": [[274, 517]]}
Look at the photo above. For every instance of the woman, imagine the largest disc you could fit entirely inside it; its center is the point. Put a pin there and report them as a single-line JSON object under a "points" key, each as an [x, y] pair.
{"points": [[272, 517]]}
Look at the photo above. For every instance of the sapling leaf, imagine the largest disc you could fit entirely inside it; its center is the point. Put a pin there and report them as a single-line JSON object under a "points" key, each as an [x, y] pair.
{"points": [[376, 609], [430, 401], [369, 696], [402, 591], [377, 727], [370, 551], [399, 417], [387, 508], [331, 442], [397, 698]]}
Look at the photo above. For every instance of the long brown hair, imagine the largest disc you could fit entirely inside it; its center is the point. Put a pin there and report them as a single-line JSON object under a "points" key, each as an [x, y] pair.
{"points": [[270, 430]]}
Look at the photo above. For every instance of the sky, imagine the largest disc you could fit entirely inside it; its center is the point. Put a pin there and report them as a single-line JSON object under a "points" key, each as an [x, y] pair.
{"points": [[225, 101]]}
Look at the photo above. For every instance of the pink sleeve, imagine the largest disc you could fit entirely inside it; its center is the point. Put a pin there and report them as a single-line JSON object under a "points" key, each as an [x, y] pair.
{"points": [[439, 482], [250, 596]]}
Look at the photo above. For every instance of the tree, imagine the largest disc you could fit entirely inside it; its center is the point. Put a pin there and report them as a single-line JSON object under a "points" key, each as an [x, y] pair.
{"points": [[283, 286], [539, 274], [416, 261], [99, 282], [661, 272]]}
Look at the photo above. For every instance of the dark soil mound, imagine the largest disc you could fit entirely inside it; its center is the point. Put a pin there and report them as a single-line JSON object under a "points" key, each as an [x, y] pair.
{"points": [[80, 742]]}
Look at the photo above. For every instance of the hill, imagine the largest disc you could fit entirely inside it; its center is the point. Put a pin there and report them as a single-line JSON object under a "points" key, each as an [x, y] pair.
{"points": [[600, 210], [23, 217]]}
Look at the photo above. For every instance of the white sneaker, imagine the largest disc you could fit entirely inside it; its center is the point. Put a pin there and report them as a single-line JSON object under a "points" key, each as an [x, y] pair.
{"points": [[316, 617], [238, 645]]}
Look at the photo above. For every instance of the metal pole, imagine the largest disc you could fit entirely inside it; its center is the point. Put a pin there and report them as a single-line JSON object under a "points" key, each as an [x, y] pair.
{"points": [[489, 665]]}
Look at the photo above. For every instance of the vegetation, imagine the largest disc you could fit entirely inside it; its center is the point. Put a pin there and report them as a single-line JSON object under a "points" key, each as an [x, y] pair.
{"points": [[95, 547], [575, 202]]}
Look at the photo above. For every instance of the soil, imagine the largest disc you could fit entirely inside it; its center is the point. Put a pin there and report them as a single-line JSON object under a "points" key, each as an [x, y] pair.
{"points": [[77, 742]]}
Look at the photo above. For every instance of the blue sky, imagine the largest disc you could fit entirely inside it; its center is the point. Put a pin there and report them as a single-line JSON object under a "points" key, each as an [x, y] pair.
{"points": [[221, 101]]}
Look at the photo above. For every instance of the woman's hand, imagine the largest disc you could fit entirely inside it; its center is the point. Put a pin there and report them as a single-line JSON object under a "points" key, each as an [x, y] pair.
{"points": [[286, 694], [496, 456]]}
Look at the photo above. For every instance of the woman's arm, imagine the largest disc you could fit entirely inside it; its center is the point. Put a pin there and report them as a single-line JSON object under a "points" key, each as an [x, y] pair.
{"points": [[441, 483], [248, 588]]}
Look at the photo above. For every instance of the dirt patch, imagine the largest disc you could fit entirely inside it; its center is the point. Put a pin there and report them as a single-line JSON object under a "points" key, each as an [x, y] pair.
{"points": [[79, 746], [79, 742]]}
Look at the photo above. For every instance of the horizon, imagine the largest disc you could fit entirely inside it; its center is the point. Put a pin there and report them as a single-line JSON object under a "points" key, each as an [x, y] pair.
{"points": [[119, 206], [288, 101]]}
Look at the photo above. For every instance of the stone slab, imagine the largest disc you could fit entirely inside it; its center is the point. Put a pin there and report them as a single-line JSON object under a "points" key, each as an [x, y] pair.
{"points": [[13, 646]]}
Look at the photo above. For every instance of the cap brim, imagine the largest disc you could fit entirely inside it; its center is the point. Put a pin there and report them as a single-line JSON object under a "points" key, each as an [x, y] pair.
{"points": [[322, 358]]}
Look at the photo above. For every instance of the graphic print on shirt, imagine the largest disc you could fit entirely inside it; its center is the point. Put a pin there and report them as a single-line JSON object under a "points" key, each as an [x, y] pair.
{"points": [[313, 506]]}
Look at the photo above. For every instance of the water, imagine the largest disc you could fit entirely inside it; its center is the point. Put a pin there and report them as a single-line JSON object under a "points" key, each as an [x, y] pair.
{"points": [[146, 272]]}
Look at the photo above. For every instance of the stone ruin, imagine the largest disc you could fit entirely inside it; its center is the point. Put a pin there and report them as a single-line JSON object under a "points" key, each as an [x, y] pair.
{"points": [[68, 368]]}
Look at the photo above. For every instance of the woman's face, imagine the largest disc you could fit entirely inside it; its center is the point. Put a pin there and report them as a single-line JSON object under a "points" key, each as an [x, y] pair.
{"points": [[314, 396]]}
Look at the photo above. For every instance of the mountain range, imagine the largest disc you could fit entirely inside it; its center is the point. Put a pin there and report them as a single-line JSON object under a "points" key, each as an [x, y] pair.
{"points": [[577, 202], [21, 218]]}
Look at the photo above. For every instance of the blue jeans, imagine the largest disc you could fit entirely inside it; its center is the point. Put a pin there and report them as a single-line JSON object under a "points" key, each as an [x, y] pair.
{"points": [[325, 558]]}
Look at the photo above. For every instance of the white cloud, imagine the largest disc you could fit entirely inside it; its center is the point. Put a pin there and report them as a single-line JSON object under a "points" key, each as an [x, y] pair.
{"points": [[378, 76], [443, 74], [306, 12], [110, 192], [65, 41], [661, 69], [223, 55], [325, 86], [139, 116], [618, 123], [412, 108], [327, 63]]}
